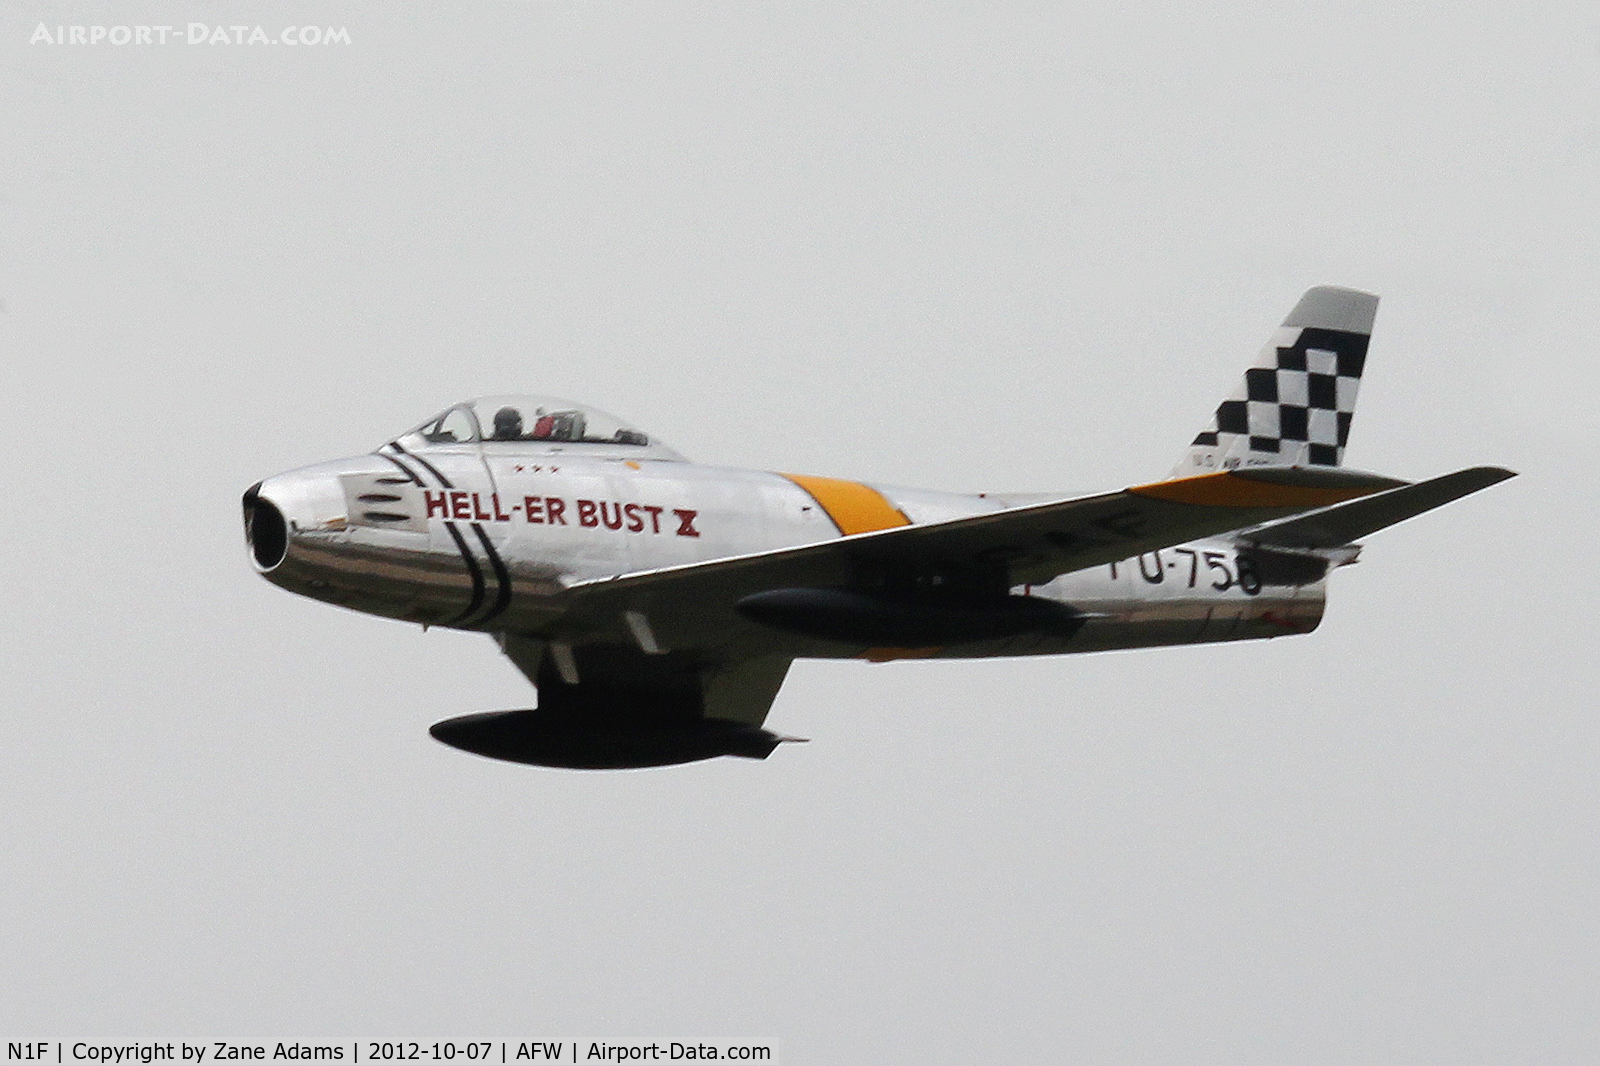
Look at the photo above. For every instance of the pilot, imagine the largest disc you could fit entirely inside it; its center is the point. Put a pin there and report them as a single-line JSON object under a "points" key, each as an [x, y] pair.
{"points": [[507, 424]]}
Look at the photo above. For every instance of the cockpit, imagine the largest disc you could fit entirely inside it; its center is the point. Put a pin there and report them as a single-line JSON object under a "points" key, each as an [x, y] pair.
{"points": [[535, 424]]}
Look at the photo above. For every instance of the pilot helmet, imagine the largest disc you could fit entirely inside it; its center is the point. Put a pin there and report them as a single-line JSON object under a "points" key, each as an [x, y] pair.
{"points": [[507, 423]]}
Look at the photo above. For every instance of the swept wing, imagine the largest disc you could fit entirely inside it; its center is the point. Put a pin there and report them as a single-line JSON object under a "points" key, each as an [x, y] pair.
{"points": [[1024, 545], [1348, 522]]}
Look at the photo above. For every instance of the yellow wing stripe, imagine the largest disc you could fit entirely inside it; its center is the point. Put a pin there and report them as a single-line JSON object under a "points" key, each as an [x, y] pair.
{"points": [[854, 507], [1228, 490]]}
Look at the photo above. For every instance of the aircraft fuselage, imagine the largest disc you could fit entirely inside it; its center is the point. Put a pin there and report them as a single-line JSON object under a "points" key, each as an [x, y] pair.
{"points": [[461, 539]]}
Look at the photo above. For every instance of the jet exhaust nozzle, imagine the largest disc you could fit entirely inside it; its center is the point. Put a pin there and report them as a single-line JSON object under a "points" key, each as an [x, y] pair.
{"points": [[914, 618], [601, 742]]}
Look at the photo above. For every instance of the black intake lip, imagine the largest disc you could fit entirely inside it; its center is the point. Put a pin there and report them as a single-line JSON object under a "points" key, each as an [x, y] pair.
{"points": [[264, 529]]}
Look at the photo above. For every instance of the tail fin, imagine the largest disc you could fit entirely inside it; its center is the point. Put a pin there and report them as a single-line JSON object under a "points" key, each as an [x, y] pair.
{"points": [[1295, 404]]}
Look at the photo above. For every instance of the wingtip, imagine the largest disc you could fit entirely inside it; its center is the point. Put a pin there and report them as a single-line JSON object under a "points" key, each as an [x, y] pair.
{"points": [[1481, 477]]}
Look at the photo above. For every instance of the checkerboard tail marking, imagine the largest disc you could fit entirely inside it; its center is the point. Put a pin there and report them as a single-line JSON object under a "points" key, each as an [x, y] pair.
{"points": [[1295, 404]]}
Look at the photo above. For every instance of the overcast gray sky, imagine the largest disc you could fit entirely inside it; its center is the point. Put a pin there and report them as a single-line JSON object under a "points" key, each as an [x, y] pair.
{"points": [[985, 246]]}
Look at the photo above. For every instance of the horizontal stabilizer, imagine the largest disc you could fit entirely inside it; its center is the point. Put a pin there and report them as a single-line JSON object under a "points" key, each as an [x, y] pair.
{"points": [[1347, 522]]}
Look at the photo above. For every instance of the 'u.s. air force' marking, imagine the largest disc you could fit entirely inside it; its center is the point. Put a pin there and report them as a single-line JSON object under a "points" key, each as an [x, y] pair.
{"points": [[555, 511]]}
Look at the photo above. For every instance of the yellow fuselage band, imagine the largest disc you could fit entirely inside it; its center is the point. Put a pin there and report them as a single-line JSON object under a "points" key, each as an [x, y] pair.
{"points": [[854, 507]]}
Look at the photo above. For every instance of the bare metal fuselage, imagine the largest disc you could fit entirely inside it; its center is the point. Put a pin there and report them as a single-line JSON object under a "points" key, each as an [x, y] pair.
{"points": [[491, 537]]}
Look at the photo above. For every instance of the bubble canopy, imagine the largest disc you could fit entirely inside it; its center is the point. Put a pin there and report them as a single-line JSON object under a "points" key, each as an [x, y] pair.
{"points": [[524, 424]]}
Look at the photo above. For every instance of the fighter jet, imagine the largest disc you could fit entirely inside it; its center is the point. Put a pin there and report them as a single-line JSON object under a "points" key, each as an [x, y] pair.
{"points": [[657, 604]]}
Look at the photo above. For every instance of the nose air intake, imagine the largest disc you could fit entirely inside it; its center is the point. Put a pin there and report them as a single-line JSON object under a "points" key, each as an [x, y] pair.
{"points": [[265, 529]]}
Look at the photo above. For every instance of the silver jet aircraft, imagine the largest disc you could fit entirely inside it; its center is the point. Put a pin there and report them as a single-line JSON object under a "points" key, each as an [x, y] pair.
{"points": [[656, 604]]}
